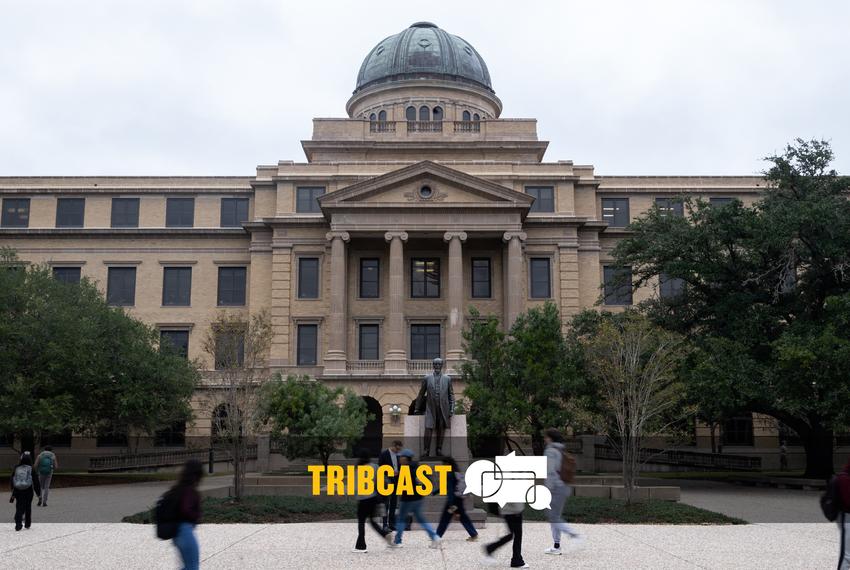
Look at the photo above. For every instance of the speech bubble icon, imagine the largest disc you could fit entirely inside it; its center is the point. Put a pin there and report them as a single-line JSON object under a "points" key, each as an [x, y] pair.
{"points": [[474, 473], [539, 497]]}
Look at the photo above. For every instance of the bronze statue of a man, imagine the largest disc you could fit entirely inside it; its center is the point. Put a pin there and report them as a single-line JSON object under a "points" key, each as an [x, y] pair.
{"points": [[438, 399]]}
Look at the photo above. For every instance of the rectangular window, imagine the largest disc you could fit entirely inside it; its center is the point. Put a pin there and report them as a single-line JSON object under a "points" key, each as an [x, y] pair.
{"points": [[67, 274], [541, 278], [368, 348], [308, 336], [424, 342], [111, 439], [308, 278], [738, 430], [121, 286], [231, 286], [180, 212], [172, 436], [720, 201], [234, 212], [615, 211], [670, 207], [370, 277], [176, 341], [57, 439], [125, 212], [618, 285], [16, 213], [306, 199], [481, 288], [670, 287], [70, 212], [425, 277], [177, 286], [229, 350], [544, 198]]}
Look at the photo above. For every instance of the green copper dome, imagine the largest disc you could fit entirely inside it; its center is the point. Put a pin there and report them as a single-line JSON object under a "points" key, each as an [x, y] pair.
{"points": [[423, 51]]}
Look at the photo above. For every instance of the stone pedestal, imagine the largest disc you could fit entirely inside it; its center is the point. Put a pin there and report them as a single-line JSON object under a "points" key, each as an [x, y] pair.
{"points": [[454, 442]]}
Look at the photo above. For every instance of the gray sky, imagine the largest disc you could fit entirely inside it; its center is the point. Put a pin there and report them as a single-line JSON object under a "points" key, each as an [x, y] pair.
{"points": [[207, 87]]}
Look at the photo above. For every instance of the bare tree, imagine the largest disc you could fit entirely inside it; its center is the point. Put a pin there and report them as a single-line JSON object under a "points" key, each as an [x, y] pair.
{"points": [[239, 350]]}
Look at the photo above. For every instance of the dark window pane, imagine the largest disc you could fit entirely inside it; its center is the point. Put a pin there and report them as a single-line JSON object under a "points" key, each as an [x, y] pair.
{"points": [[67, 274], [424, 342], [306, 199], [308, 278], [424, 113], [16, 213], [541, 280], [438, 113], [410, 113], [670, 206], [368, 342], [177, 286], [467, 116], [231, 286], [670, 287], [615, 211], [370, 275], [229, 350], [481, 278], [57, 439], [180, 212], [425, 277], [121, 286], [173, 436], [544, 198], [176, 341], [307, 344], [738, 430], [70, 212], [382, 116], [234, 212], [125, 212], [718, 201], [618, 285], [110, 438]]}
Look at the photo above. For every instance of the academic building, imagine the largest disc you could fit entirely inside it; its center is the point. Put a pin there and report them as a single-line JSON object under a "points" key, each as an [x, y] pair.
{"points": [[422, 201]]}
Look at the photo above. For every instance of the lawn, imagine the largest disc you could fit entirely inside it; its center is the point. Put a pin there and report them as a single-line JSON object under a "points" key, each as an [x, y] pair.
{"points": [[593, 510]]}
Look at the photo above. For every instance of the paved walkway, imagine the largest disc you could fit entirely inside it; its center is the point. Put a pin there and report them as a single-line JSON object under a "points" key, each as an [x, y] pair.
{"points": [[326, 546]]}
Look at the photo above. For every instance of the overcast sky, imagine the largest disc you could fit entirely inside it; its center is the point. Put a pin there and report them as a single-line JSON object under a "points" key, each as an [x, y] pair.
{"points": [[215, 88]]}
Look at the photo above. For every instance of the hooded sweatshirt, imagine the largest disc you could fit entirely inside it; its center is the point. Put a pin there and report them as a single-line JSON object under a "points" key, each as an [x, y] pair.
{"points": [[554, 454]]}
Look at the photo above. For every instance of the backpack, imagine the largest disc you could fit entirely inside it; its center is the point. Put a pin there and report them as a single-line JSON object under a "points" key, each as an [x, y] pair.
{"points": [[22, 479], [830, 501], [166, 515], [45, 464], [567, 472]]}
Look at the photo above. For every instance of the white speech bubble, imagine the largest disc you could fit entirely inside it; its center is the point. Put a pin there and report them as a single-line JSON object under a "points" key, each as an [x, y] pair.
{"points": [[473, 475]]}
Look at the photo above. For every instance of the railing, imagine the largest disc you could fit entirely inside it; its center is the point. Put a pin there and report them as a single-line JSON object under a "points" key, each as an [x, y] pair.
{"points": [[424, 126], [686, 458], [415, 366], [467, 126], [573, 445], [381, 126], [364, 366], [130, 461]]}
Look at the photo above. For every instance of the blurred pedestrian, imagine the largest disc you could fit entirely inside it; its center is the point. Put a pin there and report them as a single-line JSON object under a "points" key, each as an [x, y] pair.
{"points": [[454, 502], [842, 488], [389, 456], [181, 513], [24, 487], [366, 506], [512, 513], [560, 472], [411, 503], [45, 464]]}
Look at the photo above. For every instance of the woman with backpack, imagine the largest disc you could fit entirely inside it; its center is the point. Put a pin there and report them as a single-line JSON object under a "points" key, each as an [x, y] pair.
{"points": [[24, 486], [454, 503], [184, 502], [45, 464], [555, 455]]}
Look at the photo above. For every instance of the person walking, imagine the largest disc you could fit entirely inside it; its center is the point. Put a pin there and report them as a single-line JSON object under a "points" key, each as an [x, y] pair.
{"points": [[188, 513], [454, 503], [512, 513], [45, 465], [366, 505], [843, 487], [389, 456], [24, 485], [411, 504], [555, 455]]}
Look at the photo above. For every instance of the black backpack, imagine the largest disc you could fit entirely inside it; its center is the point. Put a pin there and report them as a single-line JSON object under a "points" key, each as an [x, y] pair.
{"points": [[830, 501], [166, 515]]}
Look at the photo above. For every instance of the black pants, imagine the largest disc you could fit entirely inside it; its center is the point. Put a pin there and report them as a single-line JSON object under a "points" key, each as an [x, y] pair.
{"points": [[446, 517], [391, 503], [366, 511], [514, 523], [23, 507]]}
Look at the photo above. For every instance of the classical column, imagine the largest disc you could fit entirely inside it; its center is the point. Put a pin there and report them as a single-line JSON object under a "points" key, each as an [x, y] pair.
{"points": [[395, 357], [514, 276], [335, 355], [454, 347]]}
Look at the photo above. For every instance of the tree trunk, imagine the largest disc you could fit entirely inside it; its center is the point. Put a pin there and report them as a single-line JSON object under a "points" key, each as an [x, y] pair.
{"points": [[537, 443], [818, 443], [713, 426]]}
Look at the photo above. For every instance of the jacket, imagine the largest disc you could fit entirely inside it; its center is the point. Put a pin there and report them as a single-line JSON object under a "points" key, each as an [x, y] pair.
{"points": [[431, 396], [189, 505], [386, 459], [554, 455]]}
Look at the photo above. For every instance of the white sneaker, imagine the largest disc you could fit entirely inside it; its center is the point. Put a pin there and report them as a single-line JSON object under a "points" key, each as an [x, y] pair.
{"points": [[389, 538], [436, 542], [488, 560], [523, 566], [358, 551], [553, 550], [396, 545]]}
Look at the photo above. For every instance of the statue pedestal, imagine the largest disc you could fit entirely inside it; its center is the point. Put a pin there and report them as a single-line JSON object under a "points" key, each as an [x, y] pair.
{"points": [[454, 440]]}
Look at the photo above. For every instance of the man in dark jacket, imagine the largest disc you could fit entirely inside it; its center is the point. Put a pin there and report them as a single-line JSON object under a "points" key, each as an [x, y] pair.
{"points": [[389, 456], [843, 520], [24, 484]]}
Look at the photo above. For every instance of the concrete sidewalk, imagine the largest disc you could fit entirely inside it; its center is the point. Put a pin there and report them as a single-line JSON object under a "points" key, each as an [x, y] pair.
{"points": [[326, 546]]}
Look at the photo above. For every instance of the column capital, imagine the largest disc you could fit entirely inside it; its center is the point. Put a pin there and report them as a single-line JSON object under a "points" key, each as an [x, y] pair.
{"points": [[332, 235], [508, 236], [389, 236], [449, 236]]}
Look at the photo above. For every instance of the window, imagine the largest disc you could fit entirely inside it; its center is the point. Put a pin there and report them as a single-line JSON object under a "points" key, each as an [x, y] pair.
{"points": [[121, 286], [231, 286], [16, 213], [306, 201], [308, 278], [438, 113], [70, 212], [424, 342], [481, 278], [372, 117], [476, 117], [111, 438], [172, 436], [544, 198], [467, 116], [425, 277], [670, 287], [382, 116], [229, 350], [370, 276], [307, 344], [180, 212], [56, 439], [618, 285], [410, 113], [175, 341], [67, 274], [177, 286], [670, 206], [717, 202], [424, 113], [738, 430], [541, 280], [125, 212], [368, 346], [234, 212], [615, 211]]}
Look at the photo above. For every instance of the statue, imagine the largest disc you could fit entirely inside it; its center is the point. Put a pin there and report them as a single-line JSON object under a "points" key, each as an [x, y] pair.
{"points": [[438, 399]]}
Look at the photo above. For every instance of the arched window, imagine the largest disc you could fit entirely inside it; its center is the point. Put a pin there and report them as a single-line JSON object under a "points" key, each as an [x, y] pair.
{"points": [[424, 113], [476, 117], [410, 113], [372, 117], [382, 116], [438, 113], [467, 116]]}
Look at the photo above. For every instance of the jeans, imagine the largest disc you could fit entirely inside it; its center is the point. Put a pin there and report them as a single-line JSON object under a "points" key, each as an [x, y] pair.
{"points": [[23, 507], [44, 481], [187, 545], [844, 541], [366, 511], [556, 517], [415, 508], [514, 523], [446, 517]]}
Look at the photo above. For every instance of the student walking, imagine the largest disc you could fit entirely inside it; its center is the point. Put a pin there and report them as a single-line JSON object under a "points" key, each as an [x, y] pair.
{"points": [[512, 513], [389, 456], [24, 485], [555, 456], [45, 464], [366, 511], [411, 504], [186, 508], [843, 491], [454, 503]]}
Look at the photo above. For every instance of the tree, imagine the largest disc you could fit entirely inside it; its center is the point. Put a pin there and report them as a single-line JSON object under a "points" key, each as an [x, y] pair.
{"points": [[239, 350], [763, 293], [312, 419]]}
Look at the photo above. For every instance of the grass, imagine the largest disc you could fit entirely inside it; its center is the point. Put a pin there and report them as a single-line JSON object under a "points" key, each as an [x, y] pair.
{"points": [[718, 475], [593, 510]]}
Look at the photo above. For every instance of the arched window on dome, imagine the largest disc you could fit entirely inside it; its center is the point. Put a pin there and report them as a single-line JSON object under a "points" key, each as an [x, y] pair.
{"points": [[424, 113], [410, 113], [372, 117], [438, 113], [466, 116], [476, 117], [382, 116]]}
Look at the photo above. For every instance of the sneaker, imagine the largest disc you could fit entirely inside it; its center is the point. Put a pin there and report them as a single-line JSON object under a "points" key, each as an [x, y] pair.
{"points": [[389, 538], [473, 538], [552, 550], [358, 551], [488, 559], [39, 502], [436, 542], [396, 545], [524, 565]]}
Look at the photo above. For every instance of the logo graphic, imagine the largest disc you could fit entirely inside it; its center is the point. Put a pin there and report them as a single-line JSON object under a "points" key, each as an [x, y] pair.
{"points": [[511, 479]]}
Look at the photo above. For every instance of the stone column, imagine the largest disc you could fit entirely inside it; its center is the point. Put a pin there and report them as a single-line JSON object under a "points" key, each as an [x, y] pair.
{"points": [[395, 356], [454, 347], [335, 355], [514, 276]]}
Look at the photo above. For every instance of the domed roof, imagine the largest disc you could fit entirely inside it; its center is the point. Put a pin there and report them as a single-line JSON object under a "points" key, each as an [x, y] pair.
{"points": [[423, 50]]}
